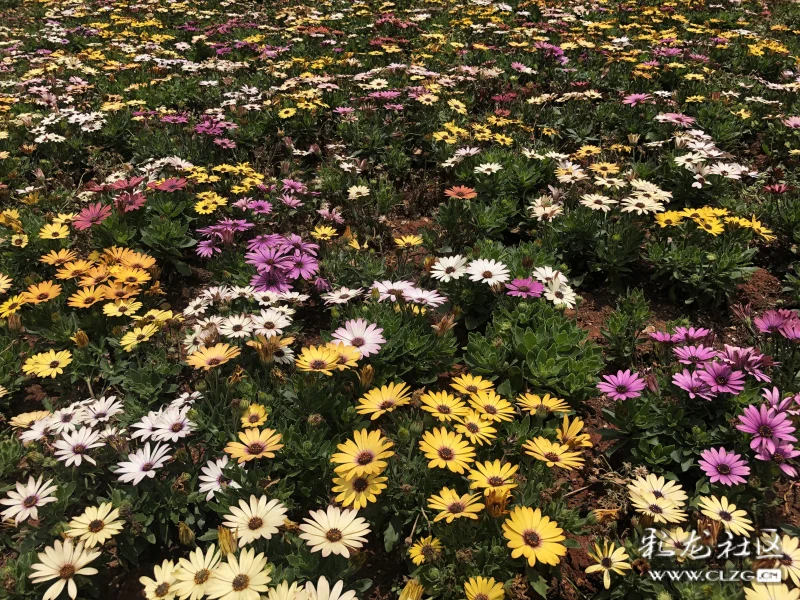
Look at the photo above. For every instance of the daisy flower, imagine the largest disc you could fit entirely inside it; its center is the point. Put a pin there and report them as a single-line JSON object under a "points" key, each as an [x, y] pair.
{"points": [[142, 463], [467, 384], [719, 509], [193, 573], [493, 476], [341, 296], [209, 358], [361, 334], [560, 294], [553, 454], [255, 520], [446, 450], [477, 427], [489, 272], [358, 491], [425, 550], [24, 502], [492, 406], [723, 467], [254, 444], [452, 506], [323, 591], [236, 326], [443, 405], [72, 448], [379, 401], [609, 559], [242, 578], [481, 588], [213, 478], [96, 525], [173, 425], [365, 454], [449, 268], [533, 536], [63, 561], [622, 386], [542, 405], [334, 531]]}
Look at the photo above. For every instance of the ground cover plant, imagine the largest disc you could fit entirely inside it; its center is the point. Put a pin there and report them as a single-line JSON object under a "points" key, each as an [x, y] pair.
{"points": [[416, 299]]}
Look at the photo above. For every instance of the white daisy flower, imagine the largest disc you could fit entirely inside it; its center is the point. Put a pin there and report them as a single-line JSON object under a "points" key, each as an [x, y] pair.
{"points": [[334, 531], [142, 463], [213, 478], [63, 561], [255, 520], [323, 591], [489, 271], [24, 503], [73, 446], [449, 268]]}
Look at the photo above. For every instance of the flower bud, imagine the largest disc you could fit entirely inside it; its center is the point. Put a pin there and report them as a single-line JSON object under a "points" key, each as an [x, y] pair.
{"points": [[185, 534], [14, 323], [412, 590], [366, 376], [227, 540], [80, 338]]}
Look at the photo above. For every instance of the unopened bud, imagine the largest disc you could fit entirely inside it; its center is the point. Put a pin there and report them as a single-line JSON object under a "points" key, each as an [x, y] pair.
{"points": [[227, 540], [366, 376], [14, 323], [185, 534], [80, 338]]}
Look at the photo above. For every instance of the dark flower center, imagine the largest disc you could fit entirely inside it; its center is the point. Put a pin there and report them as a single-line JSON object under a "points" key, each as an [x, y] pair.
{"points": [[255, 448], [765, 431], [54, 364], [655, 509], [162, 590], [552, 456], [443, 409], [456, 508], [96, 526], [621, 389], [201, 576], [358, 342], [446, 453], [30, 501], [255, 523], [240, 582], [724, 469], [318, 364], [386, 404], [78, 449], [606, 563], [147, 467], [360, 484], [364, 458], [725, 515], [532, 539], [66, 572], [472, 427], [333, 535], [495, 480], [487, 274]]}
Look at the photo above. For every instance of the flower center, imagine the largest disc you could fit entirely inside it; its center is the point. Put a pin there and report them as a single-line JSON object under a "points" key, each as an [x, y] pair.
{"points": [[487, 274], [147, 467], [66, 572], [443, 409], [532, 539], [240, 582], [318, 364], [358, 342], [386, 404], [765, 431], [552, 456], [96, 526], [255, 523], [456, 508], [495, 480], [255, 448], [446, 453], [724, 469], [364, 458], [490, 409], [201, 576], [606, 563], [176, 427], [54, 364], [30, 501], [333, 535], [162, 590], [472, 427], [621, 389], [360, 484], [725, 515], [655, 509]]}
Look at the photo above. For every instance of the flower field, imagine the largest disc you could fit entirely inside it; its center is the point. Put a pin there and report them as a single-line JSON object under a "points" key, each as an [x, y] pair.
{"points": [[411, 299]]}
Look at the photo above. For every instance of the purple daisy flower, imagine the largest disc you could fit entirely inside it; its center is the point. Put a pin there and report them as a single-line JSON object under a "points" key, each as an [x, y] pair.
{"points": [[721, 378], [692, 383], [723, 467], [622, 386], [780, 456], [768, 427], [691, 355], [524, 288], [770, 321], [662, 337], [791, 329], [685, 335]]}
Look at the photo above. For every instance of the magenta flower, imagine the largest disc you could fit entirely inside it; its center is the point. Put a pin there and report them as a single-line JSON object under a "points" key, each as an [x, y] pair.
{"points": [[769, 428], [92, 215], [168, 185], [693, 384], [361, 334], [302, 265], [634, 99], [622, 386], [721, 378], [525, 288], [748, 360], [723, 467], [780, 456], [791, 329], [792, 122], [689, 335], [770, 321], [662, 337], [691, 355], [773, 397]]}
